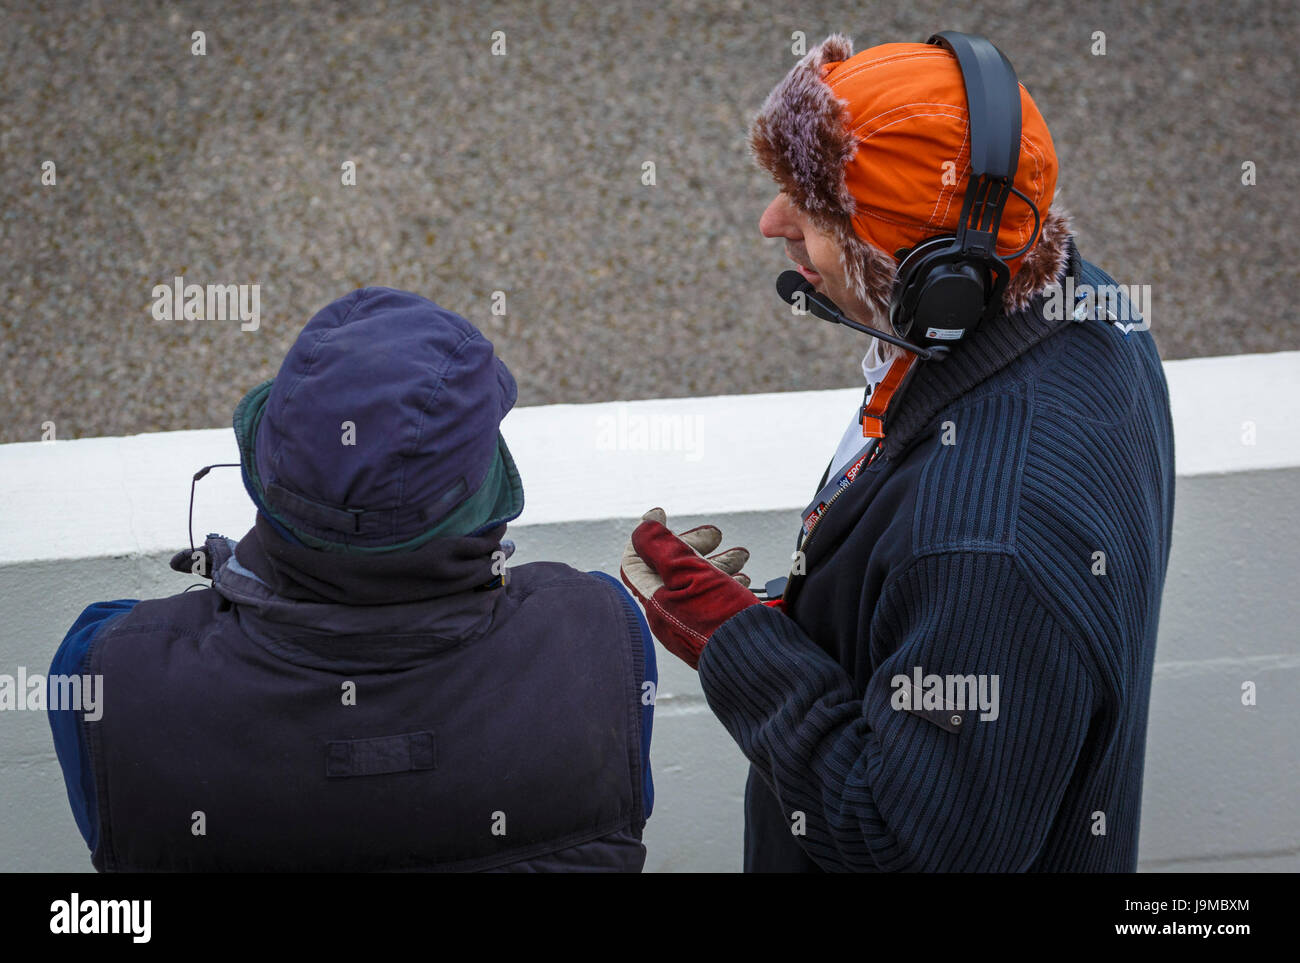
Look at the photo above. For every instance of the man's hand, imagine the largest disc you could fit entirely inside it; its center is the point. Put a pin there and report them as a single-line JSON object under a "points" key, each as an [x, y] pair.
{"points": [[686, 596]]}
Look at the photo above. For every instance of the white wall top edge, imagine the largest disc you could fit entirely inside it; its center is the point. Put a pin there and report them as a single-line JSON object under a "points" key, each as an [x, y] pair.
{"points": [[97, 497]]}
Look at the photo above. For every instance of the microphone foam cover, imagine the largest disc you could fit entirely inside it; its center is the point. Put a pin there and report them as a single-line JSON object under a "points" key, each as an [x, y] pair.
{"points": [[791, 283]]}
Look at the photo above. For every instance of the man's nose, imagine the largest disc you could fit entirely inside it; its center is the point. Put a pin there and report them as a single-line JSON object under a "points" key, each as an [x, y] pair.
{"points": [[776, 220]]}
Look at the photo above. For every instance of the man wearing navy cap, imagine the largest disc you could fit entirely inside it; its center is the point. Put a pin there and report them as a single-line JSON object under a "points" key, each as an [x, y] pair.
{"points": [[365, 686]]}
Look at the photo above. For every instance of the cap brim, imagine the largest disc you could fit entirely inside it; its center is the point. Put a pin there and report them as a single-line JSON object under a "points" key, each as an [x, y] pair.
{"points": [[509, 501]]}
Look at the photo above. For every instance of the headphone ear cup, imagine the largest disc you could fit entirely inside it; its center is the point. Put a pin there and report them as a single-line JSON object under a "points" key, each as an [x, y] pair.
{"points": [[910, 281], [952, 301]]}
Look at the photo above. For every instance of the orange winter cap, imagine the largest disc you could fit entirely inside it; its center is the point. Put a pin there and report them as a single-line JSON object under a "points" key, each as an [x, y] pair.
{"points": [[878, 144]]}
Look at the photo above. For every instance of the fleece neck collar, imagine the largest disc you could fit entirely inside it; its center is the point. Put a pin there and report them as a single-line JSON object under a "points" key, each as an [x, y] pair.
{"points": [[439, 568]]}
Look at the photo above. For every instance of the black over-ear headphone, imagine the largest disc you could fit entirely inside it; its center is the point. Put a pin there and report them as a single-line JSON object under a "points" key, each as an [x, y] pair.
{"points": [[947, 285]]}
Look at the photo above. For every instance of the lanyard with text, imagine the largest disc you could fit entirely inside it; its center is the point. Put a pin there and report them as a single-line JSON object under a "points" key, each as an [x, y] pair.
{"points": [[873, 429]]}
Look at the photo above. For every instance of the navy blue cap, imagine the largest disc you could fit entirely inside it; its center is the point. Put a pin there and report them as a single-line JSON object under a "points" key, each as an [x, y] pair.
{"points": [[382, 428]]}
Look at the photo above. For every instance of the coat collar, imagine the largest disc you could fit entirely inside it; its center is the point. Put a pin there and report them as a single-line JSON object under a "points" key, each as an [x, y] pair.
{"points": [[424, 597], [934, 385]]}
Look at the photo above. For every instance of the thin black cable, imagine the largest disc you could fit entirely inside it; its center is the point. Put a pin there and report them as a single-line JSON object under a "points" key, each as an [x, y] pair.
{"points": [[1038, 223], [194, 482]]}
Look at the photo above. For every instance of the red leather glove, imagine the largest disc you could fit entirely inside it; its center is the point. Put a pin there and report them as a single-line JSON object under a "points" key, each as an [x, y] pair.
{"points": [[685, 595]]}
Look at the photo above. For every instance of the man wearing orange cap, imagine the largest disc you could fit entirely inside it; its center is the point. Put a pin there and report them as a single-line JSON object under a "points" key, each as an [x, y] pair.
{"points": [[957, 672]]}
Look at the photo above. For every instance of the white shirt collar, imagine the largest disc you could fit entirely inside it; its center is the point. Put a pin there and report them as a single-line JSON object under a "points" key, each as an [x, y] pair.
{"points": [[873, 369]]}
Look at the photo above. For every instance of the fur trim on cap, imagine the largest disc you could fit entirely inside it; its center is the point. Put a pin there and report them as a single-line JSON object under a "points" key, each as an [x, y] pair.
{"points": [[1044, 262], [802, 137]]}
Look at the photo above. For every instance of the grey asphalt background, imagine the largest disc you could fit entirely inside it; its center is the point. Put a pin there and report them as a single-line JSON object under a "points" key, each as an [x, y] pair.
{"points": [[522, 173]]}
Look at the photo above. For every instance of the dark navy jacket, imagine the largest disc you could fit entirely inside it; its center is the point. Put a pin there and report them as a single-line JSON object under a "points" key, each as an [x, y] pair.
{"points": [[1015, 527], [436, 722]]}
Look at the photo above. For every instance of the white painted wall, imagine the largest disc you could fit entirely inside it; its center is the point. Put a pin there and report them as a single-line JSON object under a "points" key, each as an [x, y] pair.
{"points": [[97, 518]]}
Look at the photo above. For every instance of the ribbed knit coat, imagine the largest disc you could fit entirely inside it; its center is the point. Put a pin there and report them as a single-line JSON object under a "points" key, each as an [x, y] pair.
{"points": [[1015, 528]]}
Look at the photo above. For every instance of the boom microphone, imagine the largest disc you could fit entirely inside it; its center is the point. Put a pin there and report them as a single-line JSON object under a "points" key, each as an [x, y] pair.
{"points": [[791, 284]]}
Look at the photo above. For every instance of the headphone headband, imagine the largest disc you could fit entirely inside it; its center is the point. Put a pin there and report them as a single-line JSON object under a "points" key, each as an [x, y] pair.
{"points": [[951, 283], [992, 103]]}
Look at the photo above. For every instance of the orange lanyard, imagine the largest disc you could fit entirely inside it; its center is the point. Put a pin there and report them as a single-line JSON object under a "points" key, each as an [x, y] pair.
{"points": [[873, 412], [873, 427]]}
